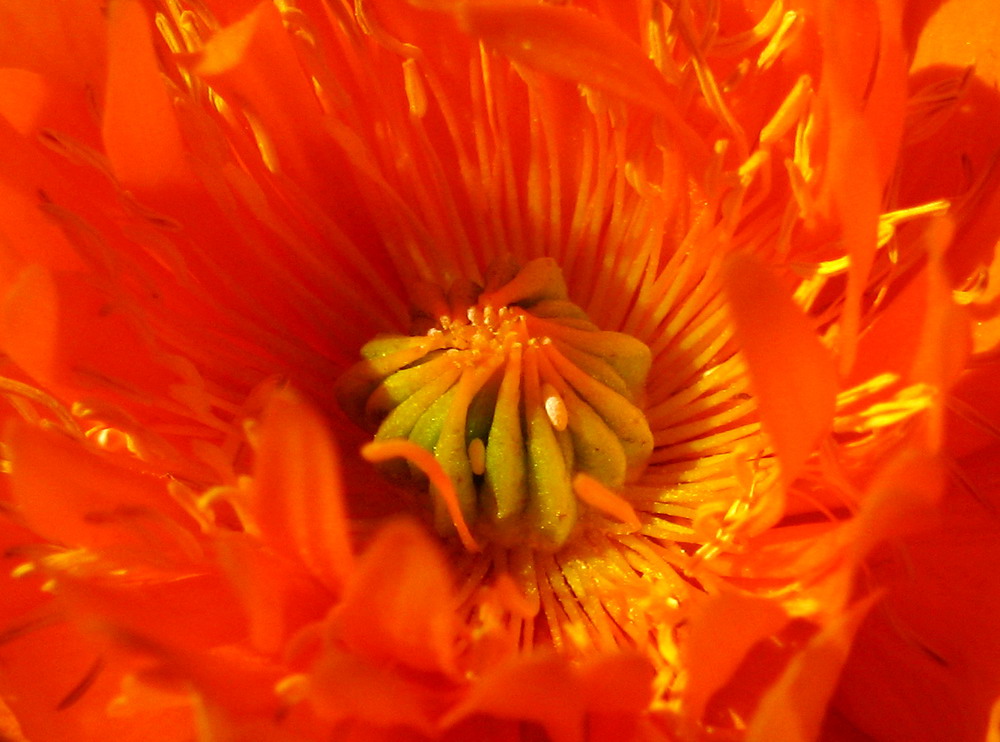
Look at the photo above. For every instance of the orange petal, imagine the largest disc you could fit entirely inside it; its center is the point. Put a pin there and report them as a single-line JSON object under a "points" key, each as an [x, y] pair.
{"points": [[141, 136], [863, 91], [946, 336], [61, 690], [617, 683], [891, 343], [28, 236], [55, 679], [398, 605], [241, 681], [297, 500], [344, 686], [63, 40], [856, 194], [723, 628], [67, 332], [921, 335], [540, 688], [791, 372], [864, 77], [190, 613], [993, 732], [23, 96], [962, 33], [977, 219], [254, 63], [793, 709], [10, 730], [126, 516], [902, 499], [885, 105], [28, 322], [278, 597], [849, 32], [926, 663], [974, 423], [570, 43]]}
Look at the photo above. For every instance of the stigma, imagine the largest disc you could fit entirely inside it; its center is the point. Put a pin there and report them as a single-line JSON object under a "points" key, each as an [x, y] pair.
{"points": [[515, 392]]}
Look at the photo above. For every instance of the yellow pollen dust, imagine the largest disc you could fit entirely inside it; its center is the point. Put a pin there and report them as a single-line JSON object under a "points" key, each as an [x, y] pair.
{"points": [[515, 392]]}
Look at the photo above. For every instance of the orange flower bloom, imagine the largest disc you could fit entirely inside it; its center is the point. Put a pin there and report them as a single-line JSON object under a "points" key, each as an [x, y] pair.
{"points": [[499, 370]]}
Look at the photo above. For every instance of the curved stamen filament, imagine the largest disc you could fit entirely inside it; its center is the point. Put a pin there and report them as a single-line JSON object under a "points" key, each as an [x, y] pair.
{"points": [[377, 451]]}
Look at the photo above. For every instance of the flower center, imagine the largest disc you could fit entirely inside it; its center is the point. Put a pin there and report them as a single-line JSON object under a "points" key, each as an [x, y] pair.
{"points": [[515, 392]]}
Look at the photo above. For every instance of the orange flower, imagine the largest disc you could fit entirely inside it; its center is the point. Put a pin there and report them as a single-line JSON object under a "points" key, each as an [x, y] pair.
{"points": [[498, 369]]}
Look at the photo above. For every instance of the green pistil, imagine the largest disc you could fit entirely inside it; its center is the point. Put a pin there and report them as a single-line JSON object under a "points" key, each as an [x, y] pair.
{"points": [[514, 391]]}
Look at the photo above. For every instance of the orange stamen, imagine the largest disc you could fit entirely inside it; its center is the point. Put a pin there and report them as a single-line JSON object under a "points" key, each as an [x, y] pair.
{"points": [[600, 497], [378, 451]]}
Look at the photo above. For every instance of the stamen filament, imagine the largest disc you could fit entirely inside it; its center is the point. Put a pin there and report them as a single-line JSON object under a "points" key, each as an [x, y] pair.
{"points": [[377, 451]]}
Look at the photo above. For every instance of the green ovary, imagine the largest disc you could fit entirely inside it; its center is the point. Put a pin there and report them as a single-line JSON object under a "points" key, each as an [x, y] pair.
{"points": [[515, 391]]}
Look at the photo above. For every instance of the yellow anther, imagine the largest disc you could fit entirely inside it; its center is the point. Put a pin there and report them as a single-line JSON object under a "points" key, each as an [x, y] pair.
{"points": [[413, 84], [555, 408], [781, 40], [477, 456], [789, 113]]}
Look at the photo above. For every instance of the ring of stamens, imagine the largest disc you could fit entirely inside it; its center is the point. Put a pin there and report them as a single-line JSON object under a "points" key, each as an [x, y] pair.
{"points": [[515, 392]]}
